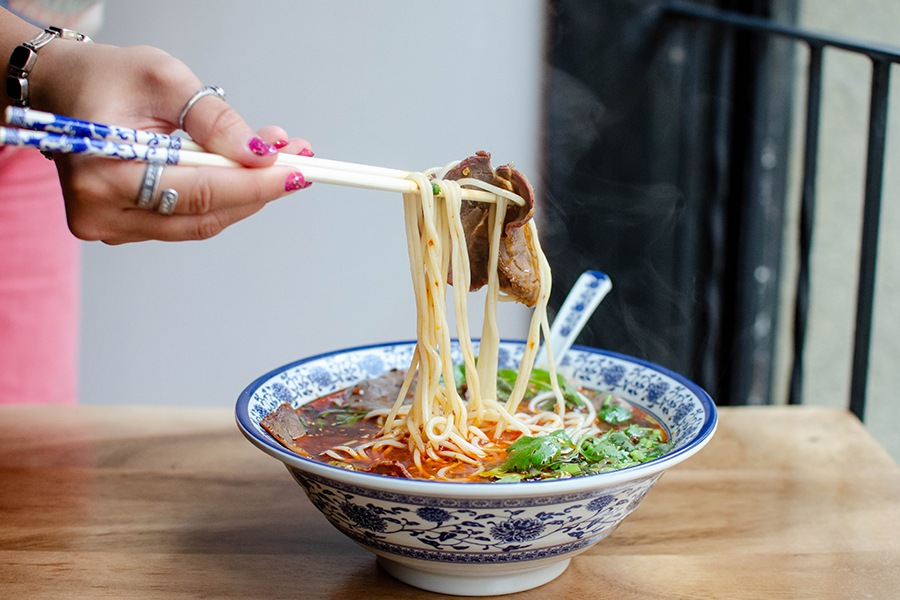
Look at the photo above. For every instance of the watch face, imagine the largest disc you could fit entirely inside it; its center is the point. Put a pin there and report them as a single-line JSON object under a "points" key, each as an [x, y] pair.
{"points": [[16, 88], [22, 58]]}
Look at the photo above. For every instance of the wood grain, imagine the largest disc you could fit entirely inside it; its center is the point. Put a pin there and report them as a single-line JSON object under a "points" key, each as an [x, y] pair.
{"points": [[109, 502]]}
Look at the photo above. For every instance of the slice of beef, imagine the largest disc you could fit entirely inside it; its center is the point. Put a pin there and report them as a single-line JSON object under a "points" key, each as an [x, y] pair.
{"points": [[518, 264], [517, 268], [379, 392], [392, 468], [286, 426]]}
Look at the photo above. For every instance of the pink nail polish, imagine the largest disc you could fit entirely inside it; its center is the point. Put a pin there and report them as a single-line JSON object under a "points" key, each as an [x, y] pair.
{"points": [[306, 152], [260, 148], [280, 143], [295, 181]]}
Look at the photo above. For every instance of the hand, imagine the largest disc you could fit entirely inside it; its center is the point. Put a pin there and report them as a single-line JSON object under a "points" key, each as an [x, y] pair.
{"points": [[145, 88]]}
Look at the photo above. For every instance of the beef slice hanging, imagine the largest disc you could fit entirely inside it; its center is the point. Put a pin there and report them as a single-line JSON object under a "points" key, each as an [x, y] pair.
{"points": [[517, 264]]}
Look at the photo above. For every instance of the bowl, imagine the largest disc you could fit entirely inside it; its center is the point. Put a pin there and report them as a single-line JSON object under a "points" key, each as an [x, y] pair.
{"points": [[478, 539]]}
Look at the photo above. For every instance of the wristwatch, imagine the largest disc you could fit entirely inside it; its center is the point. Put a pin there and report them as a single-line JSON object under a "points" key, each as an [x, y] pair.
{"points": [[23, 57]]}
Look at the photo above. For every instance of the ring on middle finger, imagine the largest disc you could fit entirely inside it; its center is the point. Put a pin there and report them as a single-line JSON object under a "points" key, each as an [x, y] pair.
{"points": [[168, 198], [147, 195]]}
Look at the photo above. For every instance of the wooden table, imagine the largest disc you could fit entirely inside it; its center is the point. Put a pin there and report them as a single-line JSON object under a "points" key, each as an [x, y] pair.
{"points": [[111, 502]]}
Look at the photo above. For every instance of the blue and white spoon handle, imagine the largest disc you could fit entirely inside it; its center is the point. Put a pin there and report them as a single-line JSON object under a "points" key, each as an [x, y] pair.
{"points": [[583, 299]]}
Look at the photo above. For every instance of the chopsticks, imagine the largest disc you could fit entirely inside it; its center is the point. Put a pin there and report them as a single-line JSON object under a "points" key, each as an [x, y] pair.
{"points": [[57, 133]]}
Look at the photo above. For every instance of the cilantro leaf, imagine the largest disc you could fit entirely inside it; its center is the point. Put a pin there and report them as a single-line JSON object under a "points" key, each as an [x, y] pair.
{"points": [[506, 381], [539, 382], [459, 375], [601, 448], [541, 379], [343, 416], [534, 453], [613, 412]]}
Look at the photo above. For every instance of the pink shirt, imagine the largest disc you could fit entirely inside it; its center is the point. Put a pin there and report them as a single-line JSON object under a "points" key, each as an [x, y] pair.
{"points": [[39, 284]]}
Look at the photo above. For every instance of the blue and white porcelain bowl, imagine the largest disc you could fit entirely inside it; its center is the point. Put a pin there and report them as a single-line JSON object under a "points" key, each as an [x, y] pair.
{"points": [[478, 539]]}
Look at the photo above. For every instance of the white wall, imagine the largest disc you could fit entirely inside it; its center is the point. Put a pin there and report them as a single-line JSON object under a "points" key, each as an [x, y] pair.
{"points": [[398, 83]]}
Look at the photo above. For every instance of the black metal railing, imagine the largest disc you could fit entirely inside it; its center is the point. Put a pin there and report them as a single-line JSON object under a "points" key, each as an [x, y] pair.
{"points": [[882, 58]]}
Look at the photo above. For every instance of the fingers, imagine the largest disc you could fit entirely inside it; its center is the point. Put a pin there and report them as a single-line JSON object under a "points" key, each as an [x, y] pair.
{"points": [[142, 225], [209, 200], [101, 195], [101, 199], [294, 146], [203, 190], [220, 129], [278, 137]]}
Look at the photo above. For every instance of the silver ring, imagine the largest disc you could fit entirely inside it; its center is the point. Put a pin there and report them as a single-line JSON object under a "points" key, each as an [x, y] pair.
{"points": [[167, 201], [207, 90], [147, 194]]}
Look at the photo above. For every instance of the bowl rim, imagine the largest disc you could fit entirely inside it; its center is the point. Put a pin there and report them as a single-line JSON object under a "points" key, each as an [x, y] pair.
{"points": [[488, 489]]}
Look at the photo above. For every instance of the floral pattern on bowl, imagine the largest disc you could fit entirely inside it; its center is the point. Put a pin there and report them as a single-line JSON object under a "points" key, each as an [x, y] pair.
{"points": [[462, 530]]}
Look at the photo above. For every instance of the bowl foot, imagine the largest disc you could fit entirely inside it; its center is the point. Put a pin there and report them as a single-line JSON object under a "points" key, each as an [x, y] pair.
{"points": [[475, 584]]}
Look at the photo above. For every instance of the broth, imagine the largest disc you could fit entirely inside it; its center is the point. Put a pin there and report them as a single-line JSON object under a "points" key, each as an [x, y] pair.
{"points": [[343, 428]]}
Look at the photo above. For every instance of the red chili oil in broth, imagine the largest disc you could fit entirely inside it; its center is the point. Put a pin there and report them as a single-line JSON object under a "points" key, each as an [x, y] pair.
{"points": [[325, 430]]}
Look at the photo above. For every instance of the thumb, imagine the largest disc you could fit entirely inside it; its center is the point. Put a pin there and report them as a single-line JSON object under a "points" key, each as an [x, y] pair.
{"points": [[218, 127]]}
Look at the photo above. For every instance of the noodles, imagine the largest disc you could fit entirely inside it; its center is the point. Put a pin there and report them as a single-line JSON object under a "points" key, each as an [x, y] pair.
{"points": [[439, 424]]}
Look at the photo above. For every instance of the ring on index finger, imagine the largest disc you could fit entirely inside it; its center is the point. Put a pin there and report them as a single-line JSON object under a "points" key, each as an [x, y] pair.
{"points": [[207, 90]]}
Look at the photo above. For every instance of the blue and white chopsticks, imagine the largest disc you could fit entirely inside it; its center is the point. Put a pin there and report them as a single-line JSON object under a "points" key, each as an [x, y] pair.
{"points": [[72, 144], [43, 121], [49, 132]]}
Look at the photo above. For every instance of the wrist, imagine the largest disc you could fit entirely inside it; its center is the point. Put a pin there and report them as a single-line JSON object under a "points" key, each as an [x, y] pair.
{"points": [[25, 58]]}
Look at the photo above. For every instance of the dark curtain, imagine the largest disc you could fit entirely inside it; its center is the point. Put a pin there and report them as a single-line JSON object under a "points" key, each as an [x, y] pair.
{"points": [[665, 159]]}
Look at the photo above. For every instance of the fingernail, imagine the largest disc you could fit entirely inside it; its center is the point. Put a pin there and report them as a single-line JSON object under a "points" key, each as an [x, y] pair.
{"points": [[280, 143], [306, 152], [295, 181], [260, 148]]}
